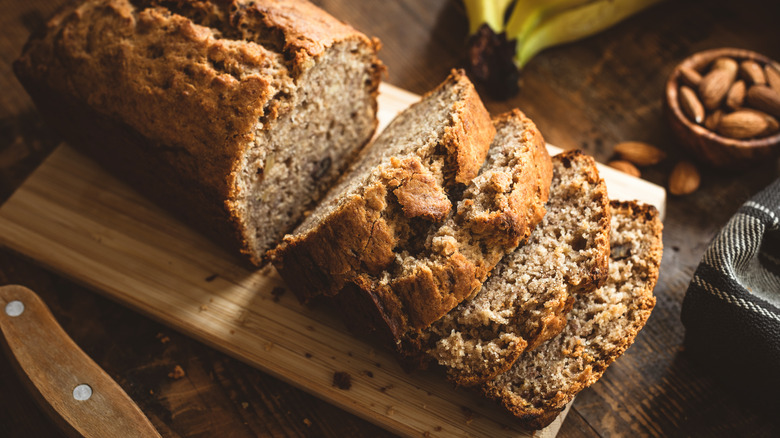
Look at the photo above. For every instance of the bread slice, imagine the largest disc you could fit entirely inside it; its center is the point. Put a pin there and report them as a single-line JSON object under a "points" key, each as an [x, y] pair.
{"points": [[413, 230], [236, 115], [602, 325], [526, 298]]}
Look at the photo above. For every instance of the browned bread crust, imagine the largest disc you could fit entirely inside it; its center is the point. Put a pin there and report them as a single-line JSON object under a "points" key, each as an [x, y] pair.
{"points": [[602, 325], [413, 242], [171, 95], [358, 237]]}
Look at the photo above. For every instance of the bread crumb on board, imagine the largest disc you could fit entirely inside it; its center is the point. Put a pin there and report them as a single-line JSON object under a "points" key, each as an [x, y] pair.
{"points": [[468, 413], [277, 292], [267, 271], [342, 380], [177, 373]]}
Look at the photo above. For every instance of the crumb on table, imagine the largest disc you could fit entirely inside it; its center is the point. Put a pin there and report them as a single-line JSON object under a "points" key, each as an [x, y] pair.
{"points": [[342, 380], [177, 373], [277, 292]]}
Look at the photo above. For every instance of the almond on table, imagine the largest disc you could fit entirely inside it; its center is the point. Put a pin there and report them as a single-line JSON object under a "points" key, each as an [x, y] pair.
{"points": [[625, 167], [684, 178], [640, 153]]}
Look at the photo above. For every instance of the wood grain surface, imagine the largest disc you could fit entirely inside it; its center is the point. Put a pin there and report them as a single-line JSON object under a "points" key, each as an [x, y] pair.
{"points": [[75, 218], [590, 94]]}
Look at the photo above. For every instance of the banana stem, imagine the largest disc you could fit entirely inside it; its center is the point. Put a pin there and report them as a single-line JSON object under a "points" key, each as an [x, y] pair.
{"points": [[486, 11], [573, 24]]}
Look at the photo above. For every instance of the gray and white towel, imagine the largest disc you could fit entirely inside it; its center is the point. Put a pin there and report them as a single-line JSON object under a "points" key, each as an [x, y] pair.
{"points": [[731, 310]]}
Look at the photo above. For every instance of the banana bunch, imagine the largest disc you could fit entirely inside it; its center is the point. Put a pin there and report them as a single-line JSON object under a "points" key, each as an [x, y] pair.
{"points": [[506, 34]]}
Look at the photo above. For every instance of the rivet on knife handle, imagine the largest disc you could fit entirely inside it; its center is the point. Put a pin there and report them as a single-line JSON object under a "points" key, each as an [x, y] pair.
{"points": [[71, 387]]}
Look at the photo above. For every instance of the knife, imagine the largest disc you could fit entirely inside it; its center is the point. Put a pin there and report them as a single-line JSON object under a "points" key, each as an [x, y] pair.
{"points": [[74, 391]]}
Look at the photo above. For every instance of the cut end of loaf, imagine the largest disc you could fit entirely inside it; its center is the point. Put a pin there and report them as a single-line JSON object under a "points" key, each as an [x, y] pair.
{"points": [[525, 300], [602, 325], [375, 207], [294, 159], [497, 210]]}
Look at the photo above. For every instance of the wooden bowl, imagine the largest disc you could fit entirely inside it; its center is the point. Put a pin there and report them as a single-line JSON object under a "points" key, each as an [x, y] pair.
{"points": [[707, 145]]}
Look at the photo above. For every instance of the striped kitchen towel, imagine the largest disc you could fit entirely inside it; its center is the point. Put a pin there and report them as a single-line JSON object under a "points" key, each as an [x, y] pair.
{"points": [[731, 310]]}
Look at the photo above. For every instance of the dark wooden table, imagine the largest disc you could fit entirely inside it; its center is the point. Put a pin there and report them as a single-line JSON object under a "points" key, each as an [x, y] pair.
{"points": [[588, 95]]}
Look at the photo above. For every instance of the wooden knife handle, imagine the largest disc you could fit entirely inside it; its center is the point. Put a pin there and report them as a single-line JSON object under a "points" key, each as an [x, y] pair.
{"points": [[81, 398]]}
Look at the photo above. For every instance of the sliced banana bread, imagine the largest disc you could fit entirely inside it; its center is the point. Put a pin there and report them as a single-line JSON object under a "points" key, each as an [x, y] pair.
{"points": [[526, 298], [413, 230], [602, 325], [237, 115]]}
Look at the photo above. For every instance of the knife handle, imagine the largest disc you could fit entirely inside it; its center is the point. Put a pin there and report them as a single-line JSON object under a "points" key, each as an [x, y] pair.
{"points": [[81, 398]]}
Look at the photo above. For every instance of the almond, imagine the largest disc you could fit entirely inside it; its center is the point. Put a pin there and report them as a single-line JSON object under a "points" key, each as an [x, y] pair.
{"points": [[773, 125], [744, 124], [625, 167], [751, 72], [684, 178], [690, 77], [772, 77], [714, 86], [765, 99], [736, 95], [691, 105], [725, 63], [712, 119], [639, 153]]}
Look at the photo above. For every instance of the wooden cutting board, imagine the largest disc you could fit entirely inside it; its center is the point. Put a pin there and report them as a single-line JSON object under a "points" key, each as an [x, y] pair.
{"points": [[78, 220]]}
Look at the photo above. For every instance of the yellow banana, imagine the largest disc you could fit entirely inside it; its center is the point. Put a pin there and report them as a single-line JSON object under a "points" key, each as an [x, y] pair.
{"points": [[527, 14], [576, 23], [486, 11], [498, 49]]}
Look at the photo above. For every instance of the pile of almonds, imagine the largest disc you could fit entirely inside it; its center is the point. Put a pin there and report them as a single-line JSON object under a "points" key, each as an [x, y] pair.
{"points": [[736, 98], [683, 180]]}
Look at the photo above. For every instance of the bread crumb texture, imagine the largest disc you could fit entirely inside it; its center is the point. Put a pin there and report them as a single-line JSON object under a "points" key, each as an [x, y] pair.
{"points": [[602, 325], [525, 301]]}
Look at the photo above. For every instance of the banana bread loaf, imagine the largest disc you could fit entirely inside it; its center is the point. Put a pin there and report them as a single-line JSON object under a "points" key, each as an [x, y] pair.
{"points": [[415, 227], [602, 325], [237, 115], [526, 298]]}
